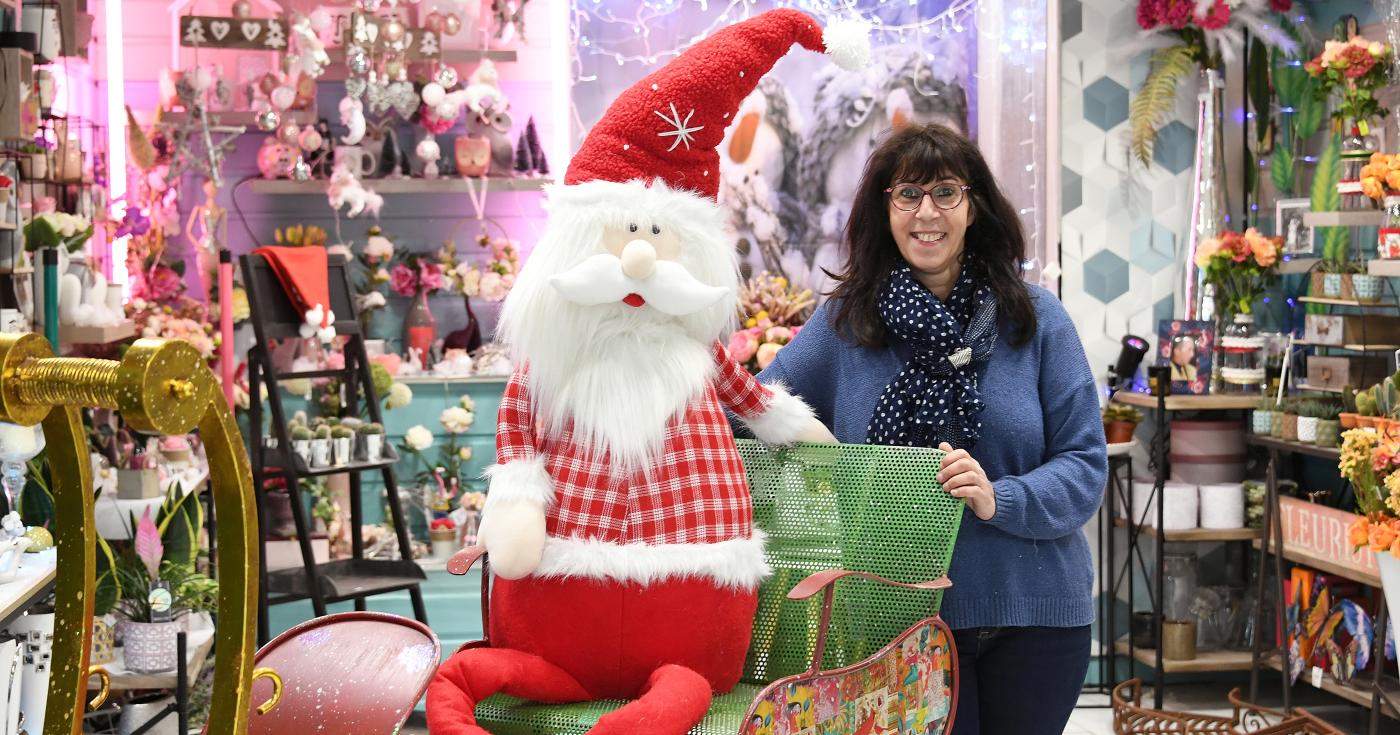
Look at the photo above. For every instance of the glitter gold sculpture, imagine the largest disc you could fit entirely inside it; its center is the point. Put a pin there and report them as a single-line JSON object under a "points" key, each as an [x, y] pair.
{"points": [[161, 387]]}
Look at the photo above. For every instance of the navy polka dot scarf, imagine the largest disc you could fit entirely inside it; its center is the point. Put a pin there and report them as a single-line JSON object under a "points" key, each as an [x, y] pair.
{"points": [[935, 398]]}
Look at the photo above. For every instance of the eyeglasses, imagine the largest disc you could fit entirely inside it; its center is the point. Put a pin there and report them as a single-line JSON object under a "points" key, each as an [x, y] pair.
{"points": [[908, 197]]}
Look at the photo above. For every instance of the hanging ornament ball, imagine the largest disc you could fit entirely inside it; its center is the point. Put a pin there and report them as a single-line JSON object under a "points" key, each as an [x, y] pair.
{"points": [[393, 31], [242, 9], [451, 24], [288, 132], [268, 83], [394, 68], [433, 22], [40, 539], [301, 170], [283, 97], [446, 111], [321, 20], [268, 120], [202, 79], [290, 62], [357, 60], [433, 93], [446, 76], [428, 150], [309, 139]]}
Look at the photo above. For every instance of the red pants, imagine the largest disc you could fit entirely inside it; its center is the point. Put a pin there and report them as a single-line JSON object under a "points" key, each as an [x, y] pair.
{"points": [[610, 637]]}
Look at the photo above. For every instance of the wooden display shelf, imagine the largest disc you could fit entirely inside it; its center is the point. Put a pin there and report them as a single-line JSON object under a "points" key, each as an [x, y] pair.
{"points": [[72, 335], [1188, 402], [1361, 218], [1198, 534], [1294, 266], [1259, 440], [198, 645], [240, 118], [1350, 347], [8, 226], [1204, 662], [1353, 694], [1317, 388], [1337, 302], [438, 380], [449, 56], [446, 185], [1386, 268], [33, 580], [1309, 559]]}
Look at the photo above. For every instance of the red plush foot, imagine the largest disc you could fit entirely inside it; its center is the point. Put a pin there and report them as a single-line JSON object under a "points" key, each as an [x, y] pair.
{"points": [[675, 699], [474, 674]]}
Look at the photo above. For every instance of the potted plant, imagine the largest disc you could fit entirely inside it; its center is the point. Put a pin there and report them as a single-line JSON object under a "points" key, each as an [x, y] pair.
{"points": [[373, 437], [301, 442], [1348, 415], [1387, 404], [443, 534], [1262, 419], [1328, 425], [1290, 420], [67, 232], [34, 165], [1365, 409], [1307, 420], [1119, 422], [321, 447], [342, 441]]}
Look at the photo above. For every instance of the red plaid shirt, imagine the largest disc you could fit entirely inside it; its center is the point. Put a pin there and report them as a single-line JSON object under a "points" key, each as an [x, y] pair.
{"points": [[698, 494]]}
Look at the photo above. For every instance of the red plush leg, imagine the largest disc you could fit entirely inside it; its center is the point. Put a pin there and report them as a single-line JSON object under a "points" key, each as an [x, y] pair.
{"points": [[674, 700], [474, 674]]}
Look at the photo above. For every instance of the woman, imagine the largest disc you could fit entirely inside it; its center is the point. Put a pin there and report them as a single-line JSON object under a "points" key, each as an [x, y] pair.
{"points": [[932, 339]]}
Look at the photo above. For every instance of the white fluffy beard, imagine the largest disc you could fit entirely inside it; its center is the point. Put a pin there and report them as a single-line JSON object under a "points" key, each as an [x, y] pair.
{"points": [[613, 373]]}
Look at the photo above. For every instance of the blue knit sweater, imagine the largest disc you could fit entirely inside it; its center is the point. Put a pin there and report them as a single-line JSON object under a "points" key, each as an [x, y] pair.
{"points": [[1042, 446]]}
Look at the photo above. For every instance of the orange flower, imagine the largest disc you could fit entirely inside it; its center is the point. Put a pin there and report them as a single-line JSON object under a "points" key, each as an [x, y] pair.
{"points": [[1372, 188], [1377, 157], [1381, 536], [1206, 250], [1360, 532], [1392, 162], [1392, 179]]}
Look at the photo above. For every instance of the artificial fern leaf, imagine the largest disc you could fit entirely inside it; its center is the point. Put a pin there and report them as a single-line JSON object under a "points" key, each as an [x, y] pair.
{"points": [[1156, 98], [1309, 112], [1281, 169], [1326, 198]]}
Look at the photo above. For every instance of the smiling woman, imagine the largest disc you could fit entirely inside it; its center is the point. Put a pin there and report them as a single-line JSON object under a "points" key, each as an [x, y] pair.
{"points": [[931, 339]]}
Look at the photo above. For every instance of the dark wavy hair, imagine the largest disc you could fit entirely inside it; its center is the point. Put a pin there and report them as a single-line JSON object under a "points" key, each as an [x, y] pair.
{"points": [[994, 248]]}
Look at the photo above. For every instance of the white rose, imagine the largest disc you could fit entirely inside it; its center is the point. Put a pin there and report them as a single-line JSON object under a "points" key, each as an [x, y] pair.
{"points": [[379, 247], [418, 438], [456, 419], [467, 403], [400, 395]]}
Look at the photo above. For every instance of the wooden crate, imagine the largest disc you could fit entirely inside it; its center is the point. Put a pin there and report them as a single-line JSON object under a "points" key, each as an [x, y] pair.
{"points": [[1351, 329], [1335, 373]]}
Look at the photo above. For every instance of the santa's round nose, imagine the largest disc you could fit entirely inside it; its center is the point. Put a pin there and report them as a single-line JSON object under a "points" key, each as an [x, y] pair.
{"points": [[638, 259]]}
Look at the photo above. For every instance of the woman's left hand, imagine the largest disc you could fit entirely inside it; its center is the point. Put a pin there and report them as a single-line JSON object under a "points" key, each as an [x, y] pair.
{"points": [[964, 478]]}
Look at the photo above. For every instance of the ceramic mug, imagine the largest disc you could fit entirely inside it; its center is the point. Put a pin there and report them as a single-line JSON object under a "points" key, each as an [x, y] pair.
{"points": [[356, 160]]}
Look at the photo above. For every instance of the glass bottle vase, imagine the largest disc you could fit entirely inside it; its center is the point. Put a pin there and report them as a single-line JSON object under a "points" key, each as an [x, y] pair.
{"points": [[1242, 357], [420, 330]]}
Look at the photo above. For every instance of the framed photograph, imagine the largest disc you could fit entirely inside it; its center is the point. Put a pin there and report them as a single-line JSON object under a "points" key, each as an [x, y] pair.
{"points": [[1185, 347], [1297, 236]]}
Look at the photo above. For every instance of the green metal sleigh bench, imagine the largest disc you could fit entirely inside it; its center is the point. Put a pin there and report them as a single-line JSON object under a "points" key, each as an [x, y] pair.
{"points": [[870, 655]]}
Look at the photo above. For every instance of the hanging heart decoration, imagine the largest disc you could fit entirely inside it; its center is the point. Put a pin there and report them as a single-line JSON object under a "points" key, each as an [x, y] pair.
{"points": [[355, 87], [376, 97], [251, 29], [404, 99], [219, 28]]}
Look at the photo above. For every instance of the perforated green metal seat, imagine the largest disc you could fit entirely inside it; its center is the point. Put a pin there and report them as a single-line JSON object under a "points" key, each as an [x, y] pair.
{"points": [[849, 506]]}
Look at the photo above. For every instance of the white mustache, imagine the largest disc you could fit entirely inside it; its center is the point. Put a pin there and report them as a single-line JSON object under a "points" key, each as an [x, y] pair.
{"points": [[671, 289]]}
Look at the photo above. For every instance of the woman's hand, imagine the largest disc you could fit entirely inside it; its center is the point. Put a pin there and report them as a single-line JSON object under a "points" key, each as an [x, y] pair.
{"points": [[964, 478]]}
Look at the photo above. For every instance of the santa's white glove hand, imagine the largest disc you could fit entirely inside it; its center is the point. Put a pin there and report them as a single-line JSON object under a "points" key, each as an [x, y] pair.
{"points": [[815, 432], [513, 534]]}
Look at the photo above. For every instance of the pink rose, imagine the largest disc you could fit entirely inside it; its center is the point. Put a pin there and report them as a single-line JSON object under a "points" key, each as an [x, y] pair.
{"points": [[781, 335], [391, 362], [335, 361], [402, 280], [742, 346], [766, 352], [162, 283], [430, 276], [492, 287]]}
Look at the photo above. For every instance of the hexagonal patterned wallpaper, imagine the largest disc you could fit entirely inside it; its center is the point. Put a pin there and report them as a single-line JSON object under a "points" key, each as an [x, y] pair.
{"points": [[1123, 223]]}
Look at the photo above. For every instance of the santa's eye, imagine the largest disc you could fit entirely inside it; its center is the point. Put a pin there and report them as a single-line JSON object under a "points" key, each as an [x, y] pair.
{"points": [[655, 230], [632, 227]]}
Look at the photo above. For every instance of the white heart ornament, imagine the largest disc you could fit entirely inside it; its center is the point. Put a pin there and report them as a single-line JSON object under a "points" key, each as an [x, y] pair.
{"points": [[219, 28], [371, 32], [355, 87], [376, 98], [403, 98], [251, 29]]}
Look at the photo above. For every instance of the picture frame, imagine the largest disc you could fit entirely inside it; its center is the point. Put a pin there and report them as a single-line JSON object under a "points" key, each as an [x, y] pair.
{"points": [[1288, 221], [1186, 347]]}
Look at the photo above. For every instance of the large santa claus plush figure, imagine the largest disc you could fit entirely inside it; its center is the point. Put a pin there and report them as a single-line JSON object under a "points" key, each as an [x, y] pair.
{"points": [[619, 522]]}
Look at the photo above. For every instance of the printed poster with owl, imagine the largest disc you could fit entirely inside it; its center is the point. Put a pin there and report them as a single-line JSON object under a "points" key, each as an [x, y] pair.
{"points": [[795, 149]]}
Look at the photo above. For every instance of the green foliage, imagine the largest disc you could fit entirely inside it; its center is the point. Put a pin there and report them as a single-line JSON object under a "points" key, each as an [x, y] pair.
{"points": [[108, 589], [1155, 100], [371, 429], [1258, 81], [301, 433], [36, 499], [323, 431], [1366, 403], [342, 432], [1335, 240], [1121, 412], [1349, 398], [1281, 168], [190, 590], [179, 521], [383, 381]]}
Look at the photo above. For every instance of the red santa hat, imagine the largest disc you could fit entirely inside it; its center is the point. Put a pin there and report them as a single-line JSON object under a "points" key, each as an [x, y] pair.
{"points": [[668, 125], [305, 279]]}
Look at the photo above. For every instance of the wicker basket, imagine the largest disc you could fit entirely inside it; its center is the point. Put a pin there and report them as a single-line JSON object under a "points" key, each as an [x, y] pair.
{"points": [[1131, 718]]}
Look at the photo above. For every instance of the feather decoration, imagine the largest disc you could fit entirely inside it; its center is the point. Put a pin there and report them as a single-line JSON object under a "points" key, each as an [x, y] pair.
{"points": [[1156, 98], [148, 546]]}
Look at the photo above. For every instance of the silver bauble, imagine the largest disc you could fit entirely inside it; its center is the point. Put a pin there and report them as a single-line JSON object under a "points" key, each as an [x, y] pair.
{"points": [[268, 120], [242, 9], [446, 76], [451, 24], [357, 60], [301, 170], [288, 132]]}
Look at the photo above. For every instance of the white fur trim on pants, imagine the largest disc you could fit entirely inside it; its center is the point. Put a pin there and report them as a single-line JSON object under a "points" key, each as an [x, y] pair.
{"points": [[735, 563], [786, 417], [521, 480]]}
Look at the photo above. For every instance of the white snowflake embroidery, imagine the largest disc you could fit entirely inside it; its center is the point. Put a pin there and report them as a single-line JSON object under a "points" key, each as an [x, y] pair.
{"points": [[682, 132]]}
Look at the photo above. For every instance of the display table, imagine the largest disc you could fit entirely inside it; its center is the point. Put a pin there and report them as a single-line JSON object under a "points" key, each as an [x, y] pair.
{"points": [[31, 583]]}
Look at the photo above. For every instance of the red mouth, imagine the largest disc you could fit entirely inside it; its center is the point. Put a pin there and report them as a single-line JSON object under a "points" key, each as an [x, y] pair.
{"points": [[634, 300]]}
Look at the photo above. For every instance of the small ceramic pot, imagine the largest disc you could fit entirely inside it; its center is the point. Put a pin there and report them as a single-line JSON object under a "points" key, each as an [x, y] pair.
{"points": [[1347, 420], [303, 449], [150, 647], [1119, 432], [1328, 433], [342, 447], [1290, 427], [320, 452], [1276, 425], [1262, 422], [1367, 287], [1307, 429], [374, 447]]}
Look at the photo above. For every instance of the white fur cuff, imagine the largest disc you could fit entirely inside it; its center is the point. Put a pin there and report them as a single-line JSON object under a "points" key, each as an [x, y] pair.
{"points": [[519, 481], [737, 563], [784, 421]]}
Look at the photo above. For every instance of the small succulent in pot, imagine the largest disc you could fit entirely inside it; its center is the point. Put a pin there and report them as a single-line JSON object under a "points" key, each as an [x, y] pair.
{"points": [[1119, 422], [373, 437], [321, 447], [342, 442]]}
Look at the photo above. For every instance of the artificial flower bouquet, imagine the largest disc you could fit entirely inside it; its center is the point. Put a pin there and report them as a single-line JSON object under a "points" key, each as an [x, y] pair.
{"points": [[1239, 265], [1380, 177], [1356, 69], [57, 230], [772, 313]]}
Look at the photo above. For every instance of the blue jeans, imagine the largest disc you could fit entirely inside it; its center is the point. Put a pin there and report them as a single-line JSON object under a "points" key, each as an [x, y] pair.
{"points": [[1021, 681]]}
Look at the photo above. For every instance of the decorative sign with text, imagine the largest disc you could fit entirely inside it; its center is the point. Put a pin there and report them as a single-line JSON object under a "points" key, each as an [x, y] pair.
{"points": [[1321, 532]]}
